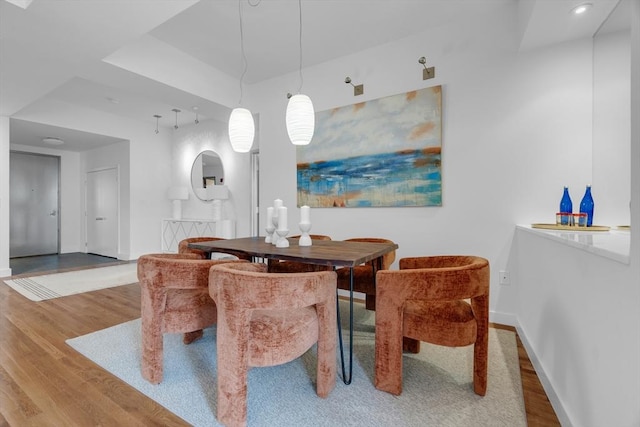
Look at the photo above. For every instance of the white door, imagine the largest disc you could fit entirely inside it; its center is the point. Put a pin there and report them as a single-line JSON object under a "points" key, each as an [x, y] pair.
{"points": [[102, 212]]}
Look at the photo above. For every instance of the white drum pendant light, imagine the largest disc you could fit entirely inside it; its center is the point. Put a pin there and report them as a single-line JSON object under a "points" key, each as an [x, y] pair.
{"points": [[241, 126], [300, 119], [241, 130]]}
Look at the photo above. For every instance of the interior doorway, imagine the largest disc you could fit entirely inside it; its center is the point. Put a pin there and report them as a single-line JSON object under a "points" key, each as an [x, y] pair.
{"points": [[102, 207], [34, 205]]}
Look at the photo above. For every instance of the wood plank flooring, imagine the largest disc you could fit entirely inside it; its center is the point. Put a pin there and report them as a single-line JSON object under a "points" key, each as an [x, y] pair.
{"points": [[44, 382]]}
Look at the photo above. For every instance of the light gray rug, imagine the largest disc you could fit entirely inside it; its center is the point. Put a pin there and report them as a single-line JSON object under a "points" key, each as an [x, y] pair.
{"points": [[437, 382], [48, 286]]}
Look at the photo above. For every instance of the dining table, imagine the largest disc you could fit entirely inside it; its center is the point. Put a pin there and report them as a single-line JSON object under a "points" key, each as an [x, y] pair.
{"points": [[331, 253]]}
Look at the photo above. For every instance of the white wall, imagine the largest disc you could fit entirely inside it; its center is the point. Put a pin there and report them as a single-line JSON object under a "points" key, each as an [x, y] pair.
{"points": [[212, 135], [611, 129], [578, 313], [516, 129], [4, 197]]}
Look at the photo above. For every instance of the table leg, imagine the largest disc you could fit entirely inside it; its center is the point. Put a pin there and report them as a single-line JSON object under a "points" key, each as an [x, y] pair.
{"points": [[345, 379]]}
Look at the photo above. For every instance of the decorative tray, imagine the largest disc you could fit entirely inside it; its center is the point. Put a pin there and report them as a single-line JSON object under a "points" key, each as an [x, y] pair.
{"points": [[571, 228]]}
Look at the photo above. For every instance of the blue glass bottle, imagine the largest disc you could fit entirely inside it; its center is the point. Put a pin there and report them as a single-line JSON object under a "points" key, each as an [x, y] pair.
{"points": [[566, 207], [586, 205]]}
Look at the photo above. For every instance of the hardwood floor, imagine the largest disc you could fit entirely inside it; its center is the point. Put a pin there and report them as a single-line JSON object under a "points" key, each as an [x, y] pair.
{"points": [[44, 382]]}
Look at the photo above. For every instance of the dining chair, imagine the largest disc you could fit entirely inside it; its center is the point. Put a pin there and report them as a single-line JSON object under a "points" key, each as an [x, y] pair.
{"points": [[364, 275], [174, 299], [280, 266], [268, 319], [425, 300], [183, 248]]}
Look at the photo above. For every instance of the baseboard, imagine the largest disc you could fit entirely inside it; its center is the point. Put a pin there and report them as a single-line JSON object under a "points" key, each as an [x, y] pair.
{"points": [[503, 318], [5, 272], [562, 415]]}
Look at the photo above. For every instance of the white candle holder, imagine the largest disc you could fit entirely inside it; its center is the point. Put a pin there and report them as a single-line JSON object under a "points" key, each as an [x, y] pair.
{"points": [[305, 239], [270, 229], [282, 239], [275, 237]]}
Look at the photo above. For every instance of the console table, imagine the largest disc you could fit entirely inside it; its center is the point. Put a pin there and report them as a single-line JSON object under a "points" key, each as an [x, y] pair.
{"points": [[175, 230]]}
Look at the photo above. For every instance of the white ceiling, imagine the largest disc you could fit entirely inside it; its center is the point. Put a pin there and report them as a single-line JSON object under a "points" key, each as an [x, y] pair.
{"points": [[62, 52]]}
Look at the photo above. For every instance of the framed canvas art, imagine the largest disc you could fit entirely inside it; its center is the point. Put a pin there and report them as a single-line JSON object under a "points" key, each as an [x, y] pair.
{"points": [[380, 153]]}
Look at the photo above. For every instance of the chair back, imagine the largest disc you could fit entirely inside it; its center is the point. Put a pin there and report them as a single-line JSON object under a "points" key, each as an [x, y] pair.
{"points": [[437, 278], [267, 319], [426, 300], [173, 299], [250, 286], [387, 259]]}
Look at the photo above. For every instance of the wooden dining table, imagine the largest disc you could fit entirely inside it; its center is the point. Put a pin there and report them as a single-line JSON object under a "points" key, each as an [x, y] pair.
{"points": [[332, 253]]}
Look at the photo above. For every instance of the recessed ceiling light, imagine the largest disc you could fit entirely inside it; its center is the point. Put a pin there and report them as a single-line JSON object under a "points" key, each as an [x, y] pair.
{"points": [[52, 141], [581, 8]]}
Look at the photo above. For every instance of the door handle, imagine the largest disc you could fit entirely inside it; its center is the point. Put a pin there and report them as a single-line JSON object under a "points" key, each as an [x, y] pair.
{"points": [[53, 213], [101, 218]]}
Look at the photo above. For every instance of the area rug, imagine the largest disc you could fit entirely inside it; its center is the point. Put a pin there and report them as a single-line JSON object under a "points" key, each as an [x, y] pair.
{"points": [[437, 391], [48, 286]]}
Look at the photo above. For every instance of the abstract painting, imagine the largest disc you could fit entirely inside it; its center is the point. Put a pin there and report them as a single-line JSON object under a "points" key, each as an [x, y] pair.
{"points": [[380, 153]]}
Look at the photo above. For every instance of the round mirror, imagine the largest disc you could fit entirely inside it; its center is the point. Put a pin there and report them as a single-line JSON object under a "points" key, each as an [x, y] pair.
{"points": [[206, 171]]}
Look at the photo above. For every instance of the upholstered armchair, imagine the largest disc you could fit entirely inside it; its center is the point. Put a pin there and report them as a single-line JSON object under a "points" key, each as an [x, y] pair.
{"points": [[183, 248], [363, 275], [268, 319], [280, 266], [174, 299], [426, 301]]}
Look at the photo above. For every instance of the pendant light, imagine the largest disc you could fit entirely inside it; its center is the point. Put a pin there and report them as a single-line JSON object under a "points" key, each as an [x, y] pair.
{"points": [[241, 126], [300, 117]]}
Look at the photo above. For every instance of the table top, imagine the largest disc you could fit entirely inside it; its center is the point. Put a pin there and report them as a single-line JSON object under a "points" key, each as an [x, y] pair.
{"points": [[321, 252]]}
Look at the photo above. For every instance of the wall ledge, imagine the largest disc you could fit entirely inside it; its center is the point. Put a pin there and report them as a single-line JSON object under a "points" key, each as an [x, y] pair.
{"points": [[613, 244]]}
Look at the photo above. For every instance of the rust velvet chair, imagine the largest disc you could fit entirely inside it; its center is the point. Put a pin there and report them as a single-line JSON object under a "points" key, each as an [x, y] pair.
{"points": [[363, 275], [183, 248], [278, 266], [426, 301], [174, 299], [268, 319]]}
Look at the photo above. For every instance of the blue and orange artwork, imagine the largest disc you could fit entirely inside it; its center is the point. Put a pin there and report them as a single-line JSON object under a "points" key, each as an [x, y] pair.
{"points": [[380, 153]]}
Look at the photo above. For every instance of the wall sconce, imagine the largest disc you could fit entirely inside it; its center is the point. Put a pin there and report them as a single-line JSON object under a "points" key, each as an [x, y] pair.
{"points": [[157, 121], [175, 110], [177, 194], [357, 90], [427, 73]]}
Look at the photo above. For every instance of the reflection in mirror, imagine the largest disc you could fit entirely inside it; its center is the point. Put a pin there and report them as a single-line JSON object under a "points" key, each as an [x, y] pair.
{"points": [[612, 117], [206, 171]]}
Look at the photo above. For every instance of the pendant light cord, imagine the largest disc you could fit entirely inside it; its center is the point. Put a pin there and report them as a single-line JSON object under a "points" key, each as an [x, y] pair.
{"points": [[244, 56], [300, 41], [245, 64]]}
